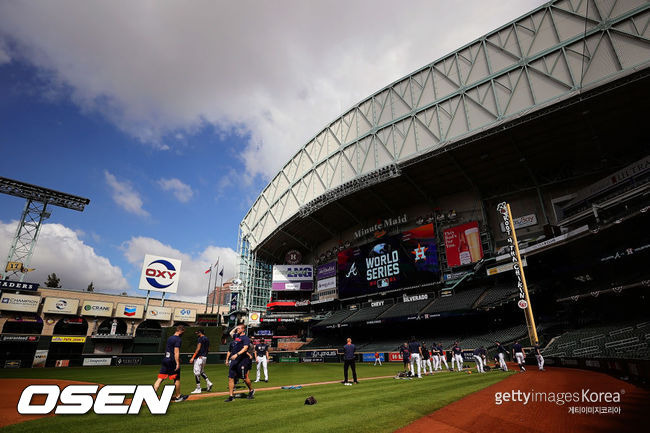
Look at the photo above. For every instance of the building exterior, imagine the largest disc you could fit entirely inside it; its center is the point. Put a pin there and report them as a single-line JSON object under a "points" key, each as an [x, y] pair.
{"points": [[64, 324]]}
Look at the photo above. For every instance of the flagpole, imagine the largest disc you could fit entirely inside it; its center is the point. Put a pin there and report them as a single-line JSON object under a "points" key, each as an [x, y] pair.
{"points": [[219, 304], [216, 266], [208, 295]]}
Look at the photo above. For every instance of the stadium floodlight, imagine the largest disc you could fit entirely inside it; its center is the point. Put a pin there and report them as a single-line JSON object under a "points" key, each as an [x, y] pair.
{"points": [[35, 212]]}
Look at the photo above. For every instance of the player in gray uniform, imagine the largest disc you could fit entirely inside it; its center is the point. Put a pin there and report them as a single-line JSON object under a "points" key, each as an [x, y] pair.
{"points": [[200, 359]]}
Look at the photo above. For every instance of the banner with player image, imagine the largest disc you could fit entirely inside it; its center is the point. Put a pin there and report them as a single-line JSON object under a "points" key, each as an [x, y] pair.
{"points": [[463, 244], [408, 259]]}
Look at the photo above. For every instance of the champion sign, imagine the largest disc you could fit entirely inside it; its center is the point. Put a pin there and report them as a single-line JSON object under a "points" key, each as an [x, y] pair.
{"points": [[160, 274]]}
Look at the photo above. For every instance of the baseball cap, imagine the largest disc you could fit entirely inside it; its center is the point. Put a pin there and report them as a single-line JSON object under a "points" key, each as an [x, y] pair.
{"points": [[200, 330]]}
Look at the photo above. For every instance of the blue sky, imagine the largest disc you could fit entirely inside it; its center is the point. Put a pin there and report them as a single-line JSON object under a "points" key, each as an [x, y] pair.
{"points": [[171, 119]]}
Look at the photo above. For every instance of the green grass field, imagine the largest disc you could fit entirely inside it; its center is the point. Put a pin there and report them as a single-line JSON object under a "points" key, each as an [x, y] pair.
{"points": [[380, 405]]}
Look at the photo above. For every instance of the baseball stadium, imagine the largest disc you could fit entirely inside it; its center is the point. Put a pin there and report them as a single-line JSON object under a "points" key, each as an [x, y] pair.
{"points": [[488, 212]]}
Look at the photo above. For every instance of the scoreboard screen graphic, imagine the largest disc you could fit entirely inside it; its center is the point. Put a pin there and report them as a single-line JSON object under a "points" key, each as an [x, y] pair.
{"points": [[404, 260]]}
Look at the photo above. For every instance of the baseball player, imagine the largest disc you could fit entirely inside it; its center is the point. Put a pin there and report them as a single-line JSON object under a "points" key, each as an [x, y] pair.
{"points": [[404, 351], [426, 359], [539, 357], [261, 350], [443, 357], [458, 356], [200, 359], [519, 354], [377, 359], [349, 358], [171, 364], [416, 356], [479, 360], [434, 356], [239, 363], [501, 355]]}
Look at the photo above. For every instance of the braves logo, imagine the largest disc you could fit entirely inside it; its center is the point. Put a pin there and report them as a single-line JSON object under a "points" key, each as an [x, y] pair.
{"points": [[153, 274]]}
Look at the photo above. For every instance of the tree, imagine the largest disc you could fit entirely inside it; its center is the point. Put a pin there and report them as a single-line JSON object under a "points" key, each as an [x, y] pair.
{"points": [[90, 288], [53, 281]]}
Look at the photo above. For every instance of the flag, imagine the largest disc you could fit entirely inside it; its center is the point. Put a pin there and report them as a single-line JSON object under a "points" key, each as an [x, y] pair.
{"points": [[221, 273], [209, 270]]}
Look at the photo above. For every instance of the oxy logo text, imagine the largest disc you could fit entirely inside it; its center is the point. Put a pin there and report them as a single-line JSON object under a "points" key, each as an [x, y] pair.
{"points": [[153, 274], [78, 399]]}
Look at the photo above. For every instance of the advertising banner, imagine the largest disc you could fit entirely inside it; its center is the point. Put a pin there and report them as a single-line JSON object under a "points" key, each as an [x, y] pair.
{"points": [[130, 360], [17, 285], [293, 277], [97, 309], [326, 284], [62, 363], [55, 305], [408, 259], [158, 313], [160, 274], [463, 244], [233, 301], [253, 318], [95, 362], [184, 315], [129, 311], [40, 356], [68, 339], [326, 271], [395, 357], [370, 357], [13, 302], [20, 338]]}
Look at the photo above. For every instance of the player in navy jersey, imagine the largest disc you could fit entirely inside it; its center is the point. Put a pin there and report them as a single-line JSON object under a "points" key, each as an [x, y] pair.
{"points": [[171, 364], [416, 356], [457, 353], [426, 358], [406, 356], [240, 363], [539, 357], [443, 357], [349, 359], [261, 357], [200, 359], [519, 355], [501, 356]]}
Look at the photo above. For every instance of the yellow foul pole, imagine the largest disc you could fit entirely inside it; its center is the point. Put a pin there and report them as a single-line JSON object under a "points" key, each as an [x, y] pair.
{"points": [[524, 302]]}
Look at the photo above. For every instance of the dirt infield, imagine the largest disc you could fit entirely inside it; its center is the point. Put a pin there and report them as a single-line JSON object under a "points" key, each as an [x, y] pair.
{"points": [[10, 390], [479, 412]]}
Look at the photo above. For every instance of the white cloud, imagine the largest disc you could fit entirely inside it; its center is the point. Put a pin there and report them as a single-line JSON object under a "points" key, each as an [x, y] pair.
{"points": [[60, 250], [193, 284], [181, 191], [275, 72], [124, 195]]}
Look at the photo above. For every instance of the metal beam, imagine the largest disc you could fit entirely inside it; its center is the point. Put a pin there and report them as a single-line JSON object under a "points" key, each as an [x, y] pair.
{"points": [[43, 195]]}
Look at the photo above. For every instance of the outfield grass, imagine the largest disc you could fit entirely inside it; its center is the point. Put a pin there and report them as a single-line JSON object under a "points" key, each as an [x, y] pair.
{"points": [[380, 405]]}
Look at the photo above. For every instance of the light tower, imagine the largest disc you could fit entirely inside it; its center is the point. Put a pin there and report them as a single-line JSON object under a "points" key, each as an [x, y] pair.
{"points": [[35, 212]]}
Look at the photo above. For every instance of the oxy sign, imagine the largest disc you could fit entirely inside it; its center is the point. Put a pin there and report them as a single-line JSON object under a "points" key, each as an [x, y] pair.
{"points": [[160, 274]]}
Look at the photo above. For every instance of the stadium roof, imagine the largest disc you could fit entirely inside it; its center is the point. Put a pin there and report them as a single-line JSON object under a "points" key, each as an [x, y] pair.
{"points": [[524, 105]]}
